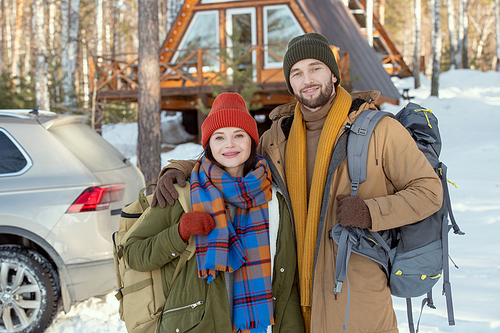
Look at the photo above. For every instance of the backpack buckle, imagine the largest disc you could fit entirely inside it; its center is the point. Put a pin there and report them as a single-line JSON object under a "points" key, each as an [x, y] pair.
{"points": [[338, 287]]}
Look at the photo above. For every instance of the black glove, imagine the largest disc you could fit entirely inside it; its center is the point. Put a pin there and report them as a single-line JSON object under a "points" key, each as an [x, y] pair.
{"points": [[352, 211], [165, 190]]}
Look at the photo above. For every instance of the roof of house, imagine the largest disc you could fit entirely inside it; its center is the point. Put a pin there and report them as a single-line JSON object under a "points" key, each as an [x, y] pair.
{"points": [[332, 19]]}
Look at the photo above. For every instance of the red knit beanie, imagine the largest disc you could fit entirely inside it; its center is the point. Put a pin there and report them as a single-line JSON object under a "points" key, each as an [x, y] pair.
{"points": [[228, 110]]}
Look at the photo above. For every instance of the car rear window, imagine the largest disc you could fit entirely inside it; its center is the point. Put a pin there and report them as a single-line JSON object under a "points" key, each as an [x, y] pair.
{"points": [[89, 147], [13, 159]]}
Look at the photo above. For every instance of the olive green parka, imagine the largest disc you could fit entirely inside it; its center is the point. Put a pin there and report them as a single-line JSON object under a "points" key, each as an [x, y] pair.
{"points": [[194, 305]]}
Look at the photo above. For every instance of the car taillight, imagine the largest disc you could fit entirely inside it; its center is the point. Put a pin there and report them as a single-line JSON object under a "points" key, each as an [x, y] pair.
{"points": [[97, 198]]}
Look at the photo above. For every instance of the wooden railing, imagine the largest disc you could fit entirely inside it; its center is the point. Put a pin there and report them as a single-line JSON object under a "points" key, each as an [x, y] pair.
{"points": [[192, 70]]}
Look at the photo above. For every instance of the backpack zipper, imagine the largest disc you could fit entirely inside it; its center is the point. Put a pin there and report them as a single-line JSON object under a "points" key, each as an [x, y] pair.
{"points": [[192, 306]]}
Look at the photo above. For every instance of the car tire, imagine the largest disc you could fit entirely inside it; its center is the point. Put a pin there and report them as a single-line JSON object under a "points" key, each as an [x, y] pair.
{"points": [[29, 290]]}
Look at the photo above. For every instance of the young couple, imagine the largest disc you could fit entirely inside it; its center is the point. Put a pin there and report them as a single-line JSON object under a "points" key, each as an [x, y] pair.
{"points": [[295, 292]]}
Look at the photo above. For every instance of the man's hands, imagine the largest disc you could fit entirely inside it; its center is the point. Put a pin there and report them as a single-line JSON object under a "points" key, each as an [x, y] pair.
{"points": [[195, 223], [165, 190], [352, 211]]}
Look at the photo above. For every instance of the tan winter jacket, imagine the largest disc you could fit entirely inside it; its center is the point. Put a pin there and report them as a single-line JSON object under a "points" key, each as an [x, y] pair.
{"points": [[401, 188]]}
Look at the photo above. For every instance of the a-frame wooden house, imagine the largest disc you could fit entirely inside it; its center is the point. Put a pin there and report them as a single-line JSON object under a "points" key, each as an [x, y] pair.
{"points": [[256, 32]]}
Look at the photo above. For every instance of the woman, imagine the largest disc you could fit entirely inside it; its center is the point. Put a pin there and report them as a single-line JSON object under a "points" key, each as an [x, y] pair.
{"points": [[244, 275]]}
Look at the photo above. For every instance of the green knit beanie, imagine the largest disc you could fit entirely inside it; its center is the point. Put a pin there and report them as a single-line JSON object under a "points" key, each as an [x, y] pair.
{"points": [[309, 46]]}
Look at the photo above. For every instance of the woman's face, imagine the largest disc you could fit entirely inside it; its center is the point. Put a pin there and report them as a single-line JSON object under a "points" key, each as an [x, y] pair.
{"points": [[231, 148]]}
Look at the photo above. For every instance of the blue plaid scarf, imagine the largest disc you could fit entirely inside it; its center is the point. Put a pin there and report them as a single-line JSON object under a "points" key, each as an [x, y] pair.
{"points": [[240, 246]]}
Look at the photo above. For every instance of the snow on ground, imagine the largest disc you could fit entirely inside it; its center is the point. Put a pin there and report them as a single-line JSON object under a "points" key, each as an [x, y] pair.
{"points": [[468, 110]]}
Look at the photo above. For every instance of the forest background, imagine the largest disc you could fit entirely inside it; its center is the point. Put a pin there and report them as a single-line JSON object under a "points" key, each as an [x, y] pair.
{"points": [[48, 48]]}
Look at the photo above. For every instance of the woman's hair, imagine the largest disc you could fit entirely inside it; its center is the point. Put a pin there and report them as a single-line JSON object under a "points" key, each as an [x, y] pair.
{"points": [[249, 164]]}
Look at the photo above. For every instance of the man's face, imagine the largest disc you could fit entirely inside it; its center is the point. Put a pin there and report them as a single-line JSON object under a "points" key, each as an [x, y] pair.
{"points": [[312, 83]]}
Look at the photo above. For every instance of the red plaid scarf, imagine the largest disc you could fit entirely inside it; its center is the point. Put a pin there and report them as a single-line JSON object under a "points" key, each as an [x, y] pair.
{"points": [[240, 246]]}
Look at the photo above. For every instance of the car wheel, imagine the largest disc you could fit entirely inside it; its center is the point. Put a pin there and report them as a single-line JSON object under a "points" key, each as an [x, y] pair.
{"points": [[29, 290]]}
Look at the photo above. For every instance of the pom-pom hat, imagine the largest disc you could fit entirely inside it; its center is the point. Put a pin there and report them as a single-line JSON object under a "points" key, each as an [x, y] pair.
{"points": [[229, 110]]}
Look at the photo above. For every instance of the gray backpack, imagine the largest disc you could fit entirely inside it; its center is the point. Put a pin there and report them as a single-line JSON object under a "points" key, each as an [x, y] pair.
{"points": [[413, 256]]}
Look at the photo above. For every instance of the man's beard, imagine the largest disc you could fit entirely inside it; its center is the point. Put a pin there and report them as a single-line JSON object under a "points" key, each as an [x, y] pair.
{"points": [[324, 96]]}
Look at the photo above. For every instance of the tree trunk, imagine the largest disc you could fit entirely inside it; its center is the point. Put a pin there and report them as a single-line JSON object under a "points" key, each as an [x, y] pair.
{"points": [[418, 43], [451, 32], [465, 57], [2, 37], [436, 60], [369, 22], [460, 37], [149, 100], [497, 32], [41, 87], [74, 28], [99, 24], [14, 71], [66, 76], [8, 30]]}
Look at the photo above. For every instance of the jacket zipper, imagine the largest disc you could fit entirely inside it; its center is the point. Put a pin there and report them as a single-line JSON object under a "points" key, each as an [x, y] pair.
{"points": [[192, 306]]}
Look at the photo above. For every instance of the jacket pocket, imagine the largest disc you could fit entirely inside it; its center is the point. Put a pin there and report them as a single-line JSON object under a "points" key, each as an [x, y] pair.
{"points": [[182, 318]]}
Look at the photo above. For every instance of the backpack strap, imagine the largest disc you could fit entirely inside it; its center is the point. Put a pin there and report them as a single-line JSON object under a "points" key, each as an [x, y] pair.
{"points": [[188, 253], [357, 147]]}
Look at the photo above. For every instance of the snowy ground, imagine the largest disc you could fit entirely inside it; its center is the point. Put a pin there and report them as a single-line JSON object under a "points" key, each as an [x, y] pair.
{"points": [[468, 110]]}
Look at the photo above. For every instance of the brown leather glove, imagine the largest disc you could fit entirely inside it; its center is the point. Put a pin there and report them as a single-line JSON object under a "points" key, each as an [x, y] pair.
{"points": [[165, 190], [195, 223], [352, 211]]}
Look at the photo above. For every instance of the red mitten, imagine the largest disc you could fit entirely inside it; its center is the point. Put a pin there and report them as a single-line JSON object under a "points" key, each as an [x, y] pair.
{"points": [[195, 223], [352, 211]]}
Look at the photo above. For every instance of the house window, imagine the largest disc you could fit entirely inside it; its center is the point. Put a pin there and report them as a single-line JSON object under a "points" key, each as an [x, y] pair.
{"points": [[280, 26], [13, 159], [242, 36], [203, 33]]}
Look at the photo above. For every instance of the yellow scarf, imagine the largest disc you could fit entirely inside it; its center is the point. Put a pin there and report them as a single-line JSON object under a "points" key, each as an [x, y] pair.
{"points": [[307, 219]]}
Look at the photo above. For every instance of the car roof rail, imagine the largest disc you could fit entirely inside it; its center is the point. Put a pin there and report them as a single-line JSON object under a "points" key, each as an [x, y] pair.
{"points": [[25, 113]]}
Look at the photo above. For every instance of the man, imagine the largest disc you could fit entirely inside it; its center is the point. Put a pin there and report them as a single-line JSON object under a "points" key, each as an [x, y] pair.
{"points": [[401, 188]]}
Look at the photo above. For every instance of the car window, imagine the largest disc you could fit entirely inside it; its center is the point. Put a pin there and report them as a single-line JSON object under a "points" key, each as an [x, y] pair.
{"points": [[13, 159], [89, 147]]}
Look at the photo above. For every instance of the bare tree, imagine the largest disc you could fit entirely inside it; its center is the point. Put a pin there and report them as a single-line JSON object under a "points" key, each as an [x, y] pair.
{"points": [[74, 28], [418, 43], [436, 46], [484, 31], [41, 86], [66, 78], [369, 22], [8, 30], [149, 100], [381, 11], [451, 32], [173, 8], [465, 56], [14, 70], [460, 37], [497, 32], [2, 37], [70, 23]]}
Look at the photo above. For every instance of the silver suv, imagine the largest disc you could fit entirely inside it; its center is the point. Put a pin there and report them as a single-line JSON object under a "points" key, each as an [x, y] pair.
{"points": [[62, 189]]}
